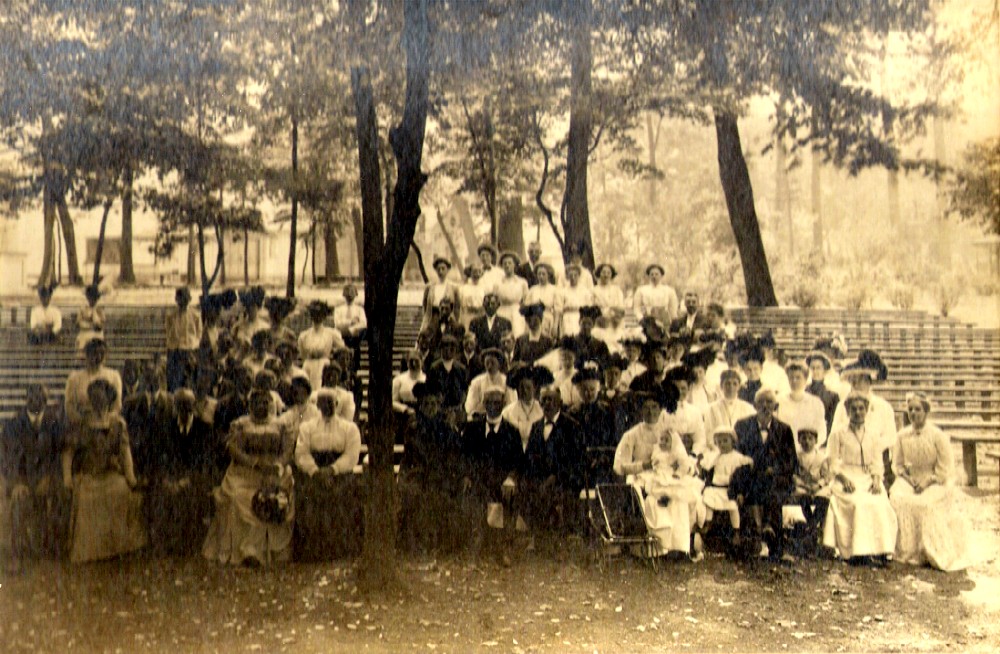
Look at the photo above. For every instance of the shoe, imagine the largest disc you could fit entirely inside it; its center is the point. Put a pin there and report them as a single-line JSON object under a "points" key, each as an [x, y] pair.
{"points": [[697, 556], [764, 550]]}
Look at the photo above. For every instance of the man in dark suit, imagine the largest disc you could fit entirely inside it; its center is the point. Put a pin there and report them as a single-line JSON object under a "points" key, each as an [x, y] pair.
{"points": [[143, 411], [470, 356], [449, 375], [693, 319], [553, 468], [232, 406], [769, 483], [180, 485], [597, 425], [492, 450], [490, 327], [589, 348], [528, 269], [29, 461]]}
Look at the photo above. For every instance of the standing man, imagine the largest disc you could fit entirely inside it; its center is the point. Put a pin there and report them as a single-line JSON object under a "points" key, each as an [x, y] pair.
{"points": [[693, 319], [352, 322], [183, 328], [528, 269], [553, 468], [770, 481]]}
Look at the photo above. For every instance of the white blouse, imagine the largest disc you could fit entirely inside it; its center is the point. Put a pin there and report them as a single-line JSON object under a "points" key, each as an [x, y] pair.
{"points": [[328, 435]]}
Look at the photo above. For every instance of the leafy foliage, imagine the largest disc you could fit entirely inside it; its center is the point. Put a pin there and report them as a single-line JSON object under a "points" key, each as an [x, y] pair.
{"points": [[975, 187]]}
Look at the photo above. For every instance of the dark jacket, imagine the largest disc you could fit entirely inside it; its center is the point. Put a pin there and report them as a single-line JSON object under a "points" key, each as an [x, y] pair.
{"points": [[29, 454], [528, 351], [561, 455], [432, 454], [774, 462], [490, 459], [489, 336], [453, 383], [829, 399]]}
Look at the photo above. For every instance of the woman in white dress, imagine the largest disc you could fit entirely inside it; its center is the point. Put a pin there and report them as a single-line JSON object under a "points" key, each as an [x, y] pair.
{"points": [[492, 274], [574, 296], [546, 293], [860, 524], [526, 410], [471, 294], [511, 290], [316, 342], [655, 299], [436, 291], [933, 528], [607, 294], [404, 402], [652, 457]]}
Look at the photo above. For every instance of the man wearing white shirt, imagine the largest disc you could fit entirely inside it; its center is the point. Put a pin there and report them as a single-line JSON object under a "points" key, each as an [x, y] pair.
{"points": [[352, 322]]}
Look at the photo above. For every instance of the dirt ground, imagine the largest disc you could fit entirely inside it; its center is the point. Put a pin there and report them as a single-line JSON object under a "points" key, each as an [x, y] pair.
{"points": [[556, 599]]}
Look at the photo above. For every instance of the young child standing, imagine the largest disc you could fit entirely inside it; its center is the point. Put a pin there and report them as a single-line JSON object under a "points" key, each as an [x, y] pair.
{"points": [[812, 482], [716, 495]]}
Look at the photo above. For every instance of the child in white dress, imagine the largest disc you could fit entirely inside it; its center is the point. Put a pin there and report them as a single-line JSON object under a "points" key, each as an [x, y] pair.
{"points": [[716, 495], [813, 482]]}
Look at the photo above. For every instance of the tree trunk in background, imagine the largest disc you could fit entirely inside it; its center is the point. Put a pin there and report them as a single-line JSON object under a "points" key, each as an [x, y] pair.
{"points": [[69, 238], [331, 265], [359, 241], [456, 258], [100, 243], [246, 255], [126, 274], [192, 253], [816, 193], [47, 273], [742, 213], [782, 191], [942, 244], [576, 228], [510, 236], [652, 140], [293, 223]]}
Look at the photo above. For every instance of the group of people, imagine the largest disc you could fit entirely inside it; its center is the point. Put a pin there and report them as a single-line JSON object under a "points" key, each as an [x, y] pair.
{"points": [[507, 412]]}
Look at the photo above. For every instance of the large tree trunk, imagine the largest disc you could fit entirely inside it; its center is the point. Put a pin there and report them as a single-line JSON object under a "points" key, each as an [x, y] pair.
{"points": [[742, 213], [385, 256], [816, 192], [246, 255], [293, 223], [359, 239], [47, 274], [576, 226], [653, 140], [511, 222], [126, 274], [69, 238], [100, 242], [192, 253]]}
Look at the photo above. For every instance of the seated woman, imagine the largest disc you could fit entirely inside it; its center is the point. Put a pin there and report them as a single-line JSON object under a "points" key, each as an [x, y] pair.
{"points": [[861, 523], [933, 528], [106, 517], [90, 320], [333, 379], [45, 322], [404, 403], [672, 507], [260, 450], [493, 378], [328, 511]]}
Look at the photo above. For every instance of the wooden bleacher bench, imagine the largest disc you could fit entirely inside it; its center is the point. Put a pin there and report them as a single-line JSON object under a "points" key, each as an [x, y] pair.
{"points": [[969, 442]]}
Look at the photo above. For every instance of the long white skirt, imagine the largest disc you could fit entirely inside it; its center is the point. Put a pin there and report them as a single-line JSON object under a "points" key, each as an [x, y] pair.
{"points": [[860, 523], [933, 528], [512, 312], [673, 524]]}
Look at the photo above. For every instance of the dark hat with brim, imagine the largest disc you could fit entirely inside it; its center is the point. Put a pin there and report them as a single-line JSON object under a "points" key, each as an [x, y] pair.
{"points": [[752, 354], [869, 363], [253, 296], [92, 291], [592, 312], [654, 266], [821, 357], [218, 302], [279, 307], [438, 260], [537, 309], [597, 271], [589, 371], [614, 361], [426, 389], [767, 340], [540, 375], [701, 358], [318, 309]]}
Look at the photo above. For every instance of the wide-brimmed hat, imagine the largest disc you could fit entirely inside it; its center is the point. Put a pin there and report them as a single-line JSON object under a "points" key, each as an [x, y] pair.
{"points": [[600, 267], [767, 340], [835, 343], [633, 336], [537, 309], [592, 312], [540, 375], [614, 360], [318, 309], [279, 307], [752, 354], [426, 389], [589, 371], [869, 363], [440, 259], [217, 302], [655, 266], [253, 296], [700, 358]]}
